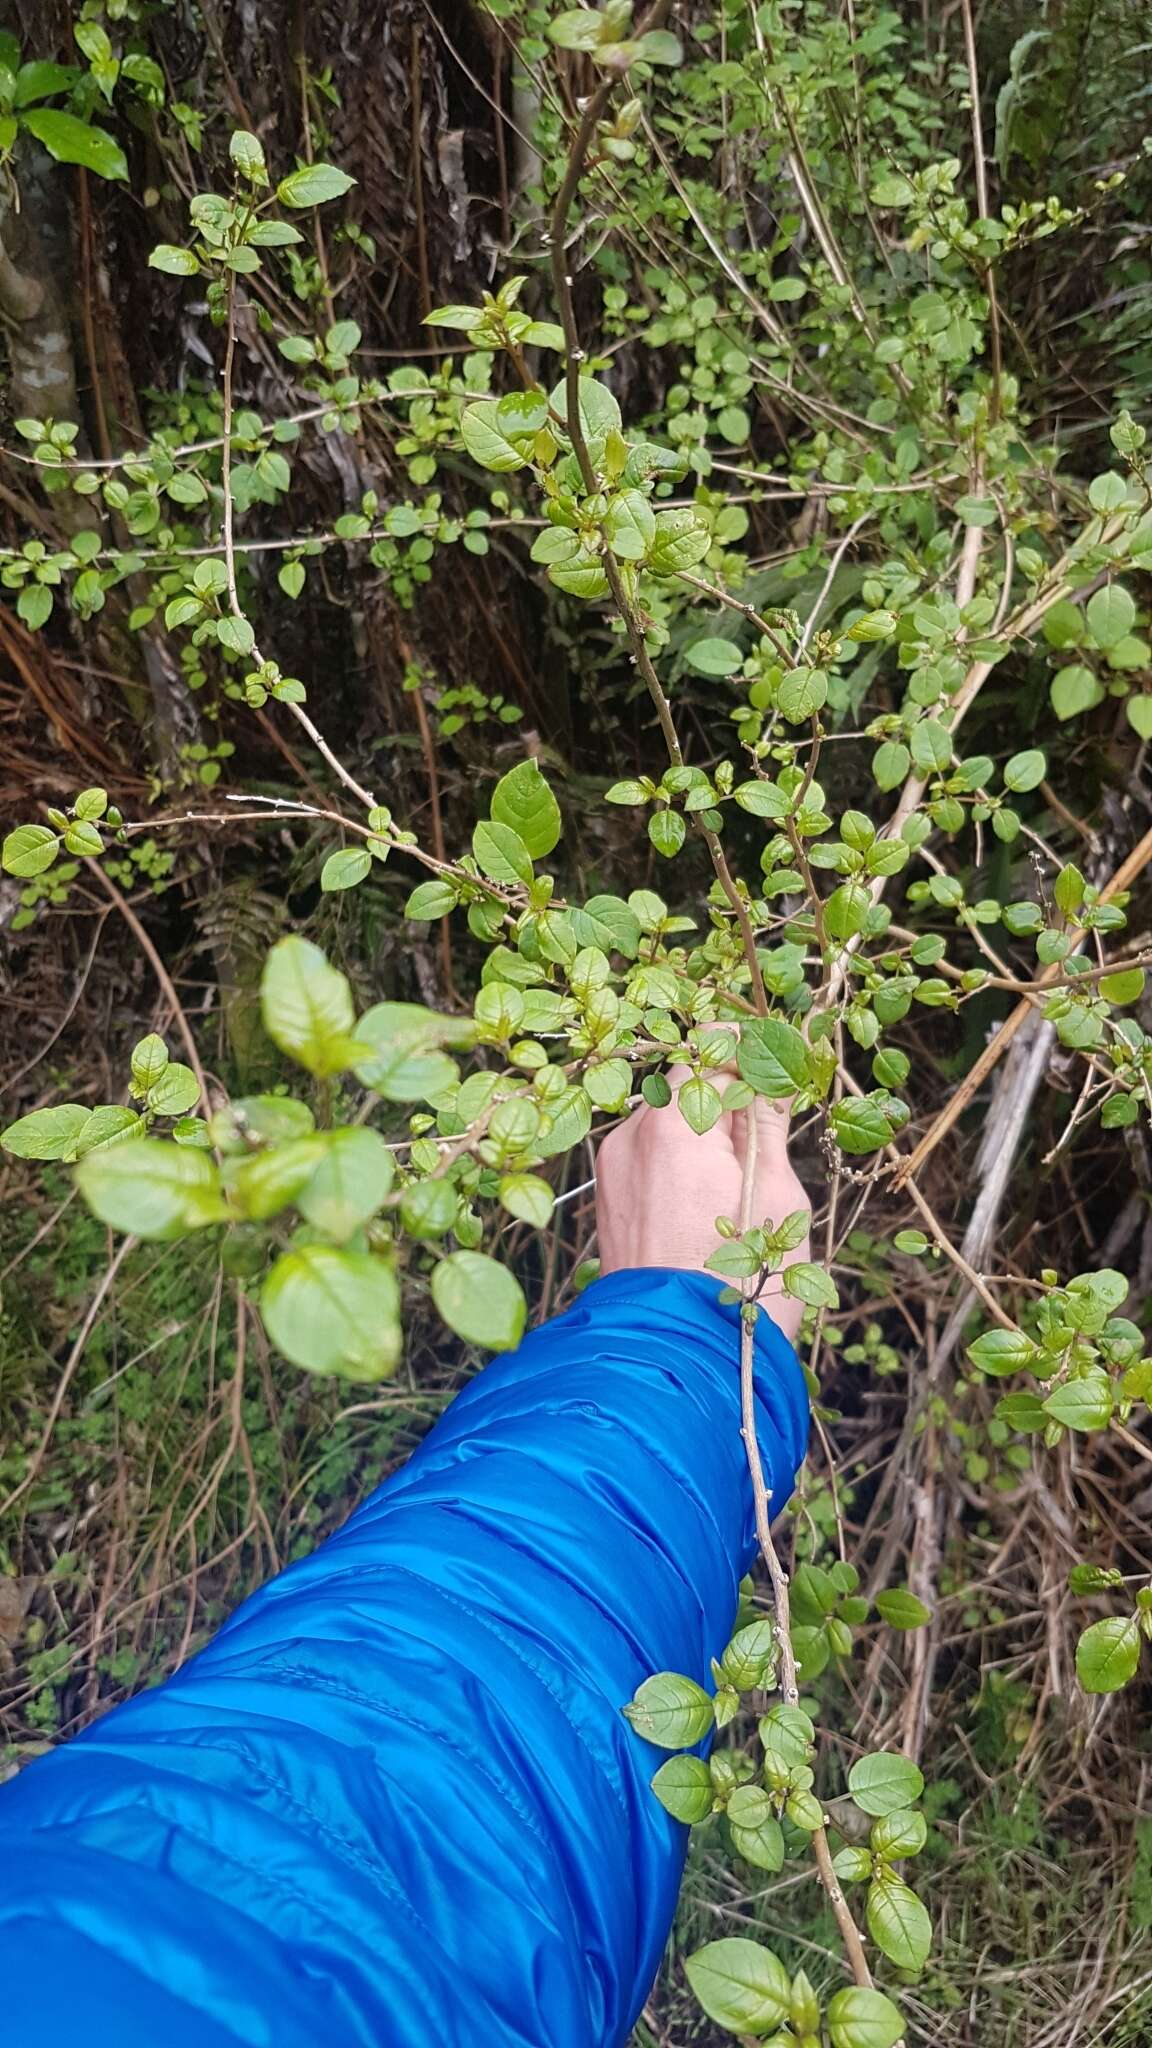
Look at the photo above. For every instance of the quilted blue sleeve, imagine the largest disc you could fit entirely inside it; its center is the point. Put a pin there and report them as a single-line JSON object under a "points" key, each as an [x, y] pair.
{"points": [[394, 1802]]}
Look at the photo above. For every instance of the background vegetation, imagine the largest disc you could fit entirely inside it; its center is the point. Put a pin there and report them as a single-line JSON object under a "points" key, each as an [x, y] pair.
{"points": [[843, 310]]}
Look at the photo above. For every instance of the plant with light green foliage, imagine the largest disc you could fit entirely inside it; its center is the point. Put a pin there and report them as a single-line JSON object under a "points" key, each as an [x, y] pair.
{"points": [[405, 1141]]}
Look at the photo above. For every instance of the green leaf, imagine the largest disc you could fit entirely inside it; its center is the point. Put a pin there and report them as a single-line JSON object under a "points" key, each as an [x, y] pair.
{"points": [[273, 234], [407, 1062], [1074, 689], [714, 657], [176, 1091], [481, 1300], [899, 1834], [750, 1655], [1107, 492], [464, 318], [1094, 1578], [1107, 1653], [733, 425], [1111, 615], [246, 151], [1025, 771], [1139, 711], [266, 1119], [609, 1084], [756, 1833], [579, 28], [890, 764], [846, 910], [811, 1284], [151, 1187], [742, 1986], [884, 1781], [1021, 1411], [77, 142], [583, 576], [607, 922], [46, 1133], [1125, 987], [484, 436], [111, 1124], [1084, 1403], [773, 1058], [762, 799], [149, 1059], [1001, 1352], [500, 853], [260, 1186], [34, 605], [976, 511], [700, 1105], [660, 46], [670, 1710], [42, 80], [545, 334], [83, 839], [859, 2018], [901, 1609], [429, 900], [862, 1125], [898, 1922], [313, 185], [667, 830], [527, 1197], [599, 411], [683, 1786], [334, 1311], [787, 1735], [344, 869], [523, 800], [428, 1208], [630, 526], [802, 692], [352, 1180], [736, 1260], [682, 540], [29, 850], [177, 262], [804, 1810], [307, 1007], [235, 633]]}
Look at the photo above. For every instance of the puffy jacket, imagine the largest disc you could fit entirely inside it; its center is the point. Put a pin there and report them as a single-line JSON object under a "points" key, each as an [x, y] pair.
{"points": [[394, 1802]]}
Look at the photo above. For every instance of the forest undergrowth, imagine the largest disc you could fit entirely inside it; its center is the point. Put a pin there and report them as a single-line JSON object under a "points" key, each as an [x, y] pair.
{"points": [[537, 547]]}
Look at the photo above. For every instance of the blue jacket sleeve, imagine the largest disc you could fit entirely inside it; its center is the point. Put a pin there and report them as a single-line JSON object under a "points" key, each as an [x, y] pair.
{"points": [[395, 1801]]}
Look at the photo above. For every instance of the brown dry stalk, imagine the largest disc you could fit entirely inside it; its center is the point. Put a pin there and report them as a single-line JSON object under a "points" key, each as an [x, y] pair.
{"points": [[993, 1052], [761, 1498]]}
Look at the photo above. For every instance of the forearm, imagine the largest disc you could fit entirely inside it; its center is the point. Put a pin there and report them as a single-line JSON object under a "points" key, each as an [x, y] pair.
{"points": [[401, 1770]]}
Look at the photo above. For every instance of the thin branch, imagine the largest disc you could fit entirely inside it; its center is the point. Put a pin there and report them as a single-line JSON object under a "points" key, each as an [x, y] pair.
{"points": [[74, 1356], [761, 1498], [981, 170], [362, 795]]}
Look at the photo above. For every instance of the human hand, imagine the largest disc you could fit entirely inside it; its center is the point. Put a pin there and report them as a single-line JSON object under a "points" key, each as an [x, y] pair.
{"points": [[660, 1188]]}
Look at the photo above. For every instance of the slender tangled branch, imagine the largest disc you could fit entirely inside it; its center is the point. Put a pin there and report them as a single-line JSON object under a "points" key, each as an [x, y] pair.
{"points": [[634, 628], [342, 774]]}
